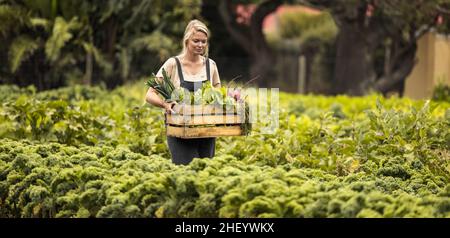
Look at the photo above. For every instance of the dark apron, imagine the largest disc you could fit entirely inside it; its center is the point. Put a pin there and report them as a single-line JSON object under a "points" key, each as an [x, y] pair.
{"points": [[183, 151]]}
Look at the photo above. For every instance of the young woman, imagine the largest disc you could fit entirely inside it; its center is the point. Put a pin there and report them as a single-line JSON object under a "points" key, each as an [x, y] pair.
{"points": [[190, 69]]}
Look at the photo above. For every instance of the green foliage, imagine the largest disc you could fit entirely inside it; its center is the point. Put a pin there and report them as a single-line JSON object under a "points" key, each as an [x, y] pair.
{"points": [[71, 41], [88, 152], [21, 48], [441, 93], [11, 17], [304, 26], [60, 36], [157, 42], [108, 184]]}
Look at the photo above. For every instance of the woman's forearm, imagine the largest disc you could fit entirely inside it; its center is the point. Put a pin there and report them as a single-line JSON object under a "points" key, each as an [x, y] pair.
{"points": [[153, 98]]}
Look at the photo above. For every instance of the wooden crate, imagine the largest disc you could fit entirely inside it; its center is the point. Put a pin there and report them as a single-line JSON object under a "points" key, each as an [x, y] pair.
{"points": [[202, 121]]}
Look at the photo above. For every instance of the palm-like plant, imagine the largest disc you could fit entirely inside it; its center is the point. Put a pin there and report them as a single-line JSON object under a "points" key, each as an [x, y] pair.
{"points": [[52, 41], [50, 45]]}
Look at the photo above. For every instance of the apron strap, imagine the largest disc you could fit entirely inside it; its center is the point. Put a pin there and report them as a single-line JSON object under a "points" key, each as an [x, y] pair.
{"points": [[208, 72], [192, 86], [180, 71]]}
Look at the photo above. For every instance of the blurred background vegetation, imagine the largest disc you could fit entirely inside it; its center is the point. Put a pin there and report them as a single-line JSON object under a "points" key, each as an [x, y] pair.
{"points": [[300, 46]]}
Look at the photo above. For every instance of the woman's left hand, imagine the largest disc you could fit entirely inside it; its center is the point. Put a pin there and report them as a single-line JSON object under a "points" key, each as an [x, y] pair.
{"points": [[168, 106]]}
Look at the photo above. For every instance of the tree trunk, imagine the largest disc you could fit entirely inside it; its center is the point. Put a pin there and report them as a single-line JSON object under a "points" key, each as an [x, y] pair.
{"points": [[309, 50], [398, 69], [109, 47], [261, 67], [353, 66], [87, 80], [111, 35]]}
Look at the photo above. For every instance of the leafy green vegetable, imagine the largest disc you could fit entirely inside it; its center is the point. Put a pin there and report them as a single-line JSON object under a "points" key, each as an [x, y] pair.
{"points": [[164, 87]]}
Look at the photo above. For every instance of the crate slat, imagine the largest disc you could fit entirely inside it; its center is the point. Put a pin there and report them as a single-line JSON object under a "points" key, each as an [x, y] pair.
{"points": [[203, 132], [183, 109], [181, 120]]}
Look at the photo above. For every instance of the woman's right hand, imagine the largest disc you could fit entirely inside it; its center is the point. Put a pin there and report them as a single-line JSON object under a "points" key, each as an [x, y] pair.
{"points": [[168, 106]]}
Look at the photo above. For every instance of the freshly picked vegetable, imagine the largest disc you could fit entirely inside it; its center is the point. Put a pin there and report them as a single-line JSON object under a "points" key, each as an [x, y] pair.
{"points": [[207, 95], [164, 87]]}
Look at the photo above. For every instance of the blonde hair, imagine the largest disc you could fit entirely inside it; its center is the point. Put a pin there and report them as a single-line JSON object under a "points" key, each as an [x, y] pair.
{"points": [[191, 28]]}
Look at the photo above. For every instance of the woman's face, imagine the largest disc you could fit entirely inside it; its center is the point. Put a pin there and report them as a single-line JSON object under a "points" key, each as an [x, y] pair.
{"points": [[197, 43]]}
